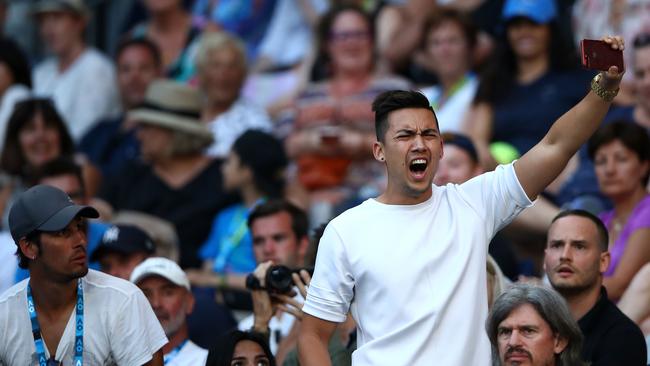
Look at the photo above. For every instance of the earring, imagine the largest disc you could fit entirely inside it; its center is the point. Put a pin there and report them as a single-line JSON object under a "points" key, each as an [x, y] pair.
{"points": [[382, 159]]}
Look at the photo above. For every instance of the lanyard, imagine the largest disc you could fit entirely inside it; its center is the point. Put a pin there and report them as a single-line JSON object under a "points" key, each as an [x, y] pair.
{"points": [[79, 329], [454, 88], [172, 355]]}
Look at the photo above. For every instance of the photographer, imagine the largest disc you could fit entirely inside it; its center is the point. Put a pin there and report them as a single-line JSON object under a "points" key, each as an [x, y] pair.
{"points": [[279, 232]]}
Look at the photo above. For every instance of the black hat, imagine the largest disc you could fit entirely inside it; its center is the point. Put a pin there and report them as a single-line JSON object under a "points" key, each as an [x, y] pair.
{"points": [[44, 208], [124, 239]]}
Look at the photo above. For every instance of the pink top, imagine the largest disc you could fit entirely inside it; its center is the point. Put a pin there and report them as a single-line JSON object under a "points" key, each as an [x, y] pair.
{"points": [[639, 219]]}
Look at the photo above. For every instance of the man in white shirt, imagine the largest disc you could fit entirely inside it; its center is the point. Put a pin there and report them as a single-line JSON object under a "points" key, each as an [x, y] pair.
{"points": [[414, 258], [168, 290], [79, 78], [65, 313]]}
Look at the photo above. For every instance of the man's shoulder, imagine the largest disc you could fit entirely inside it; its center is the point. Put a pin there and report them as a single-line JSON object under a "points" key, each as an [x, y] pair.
{"points": [[613, 322], [13, 293], [109, 285], [92, 57]]}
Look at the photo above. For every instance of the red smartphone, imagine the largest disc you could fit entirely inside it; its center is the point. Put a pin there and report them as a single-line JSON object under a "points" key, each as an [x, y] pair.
{"points": [[598, 55]]}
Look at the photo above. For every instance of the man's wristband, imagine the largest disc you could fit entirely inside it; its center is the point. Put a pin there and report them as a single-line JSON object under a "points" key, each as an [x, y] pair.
{"points": [[604, 94]]}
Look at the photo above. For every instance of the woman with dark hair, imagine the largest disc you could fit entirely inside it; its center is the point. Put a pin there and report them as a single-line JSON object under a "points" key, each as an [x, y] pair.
{"points": [[621, 155], [531, 80], [15, 80], [255, 168], [36, 134], [330, 125], [241, 349]]}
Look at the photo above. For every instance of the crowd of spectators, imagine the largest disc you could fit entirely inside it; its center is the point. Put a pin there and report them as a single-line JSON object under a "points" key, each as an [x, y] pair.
{"points": [[219, 134]]}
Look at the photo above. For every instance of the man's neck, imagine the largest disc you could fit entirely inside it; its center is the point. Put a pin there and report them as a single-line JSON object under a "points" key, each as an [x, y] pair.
{"points": [[176, 339], [67, 58], [213, 110], [581, 303], [529, 70], [391, 197], [50, 296]]}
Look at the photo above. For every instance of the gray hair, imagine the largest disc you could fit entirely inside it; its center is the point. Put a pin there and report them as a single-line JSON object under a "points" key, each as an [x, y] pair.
{"points": [[550, 306], [211, 41]]}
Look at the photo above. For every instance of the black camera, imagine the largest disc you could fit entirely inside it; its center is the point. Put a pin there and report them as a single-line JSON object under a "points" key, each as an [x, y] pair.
{"points": [[278, 280]]}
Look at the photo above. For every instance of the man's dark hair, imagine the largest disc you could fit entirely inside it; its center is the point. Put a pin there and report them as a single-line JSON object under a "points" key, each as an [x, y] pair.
{"points": [[33, 237], [630, 134], [393, 100], [299, 222], [550, 306], [57, 167], [603, 236], [140, 42]]}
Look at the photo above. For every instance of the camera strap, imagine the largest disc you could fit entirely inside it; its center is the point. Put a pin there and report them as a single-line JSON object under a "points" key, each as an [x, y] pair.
{"points": [[79, 329]]}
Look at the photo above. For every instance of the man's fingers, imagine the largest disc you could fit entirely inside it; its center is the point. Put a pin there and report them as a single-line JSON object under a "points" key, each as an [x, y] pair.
{"points": [[299, 284], [291, 310], [288, 300], [306, 278]]}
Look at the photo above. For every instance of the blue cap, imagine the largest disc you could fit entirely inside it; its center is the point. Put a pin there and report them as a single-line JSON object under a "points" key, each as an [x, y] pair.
{"points": [[539, 11]]}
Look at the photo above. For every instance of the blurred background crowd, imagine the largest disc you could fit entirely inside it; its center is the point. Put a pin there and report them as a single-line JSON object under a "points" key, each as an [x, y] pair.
{"points": [[178, 118]]}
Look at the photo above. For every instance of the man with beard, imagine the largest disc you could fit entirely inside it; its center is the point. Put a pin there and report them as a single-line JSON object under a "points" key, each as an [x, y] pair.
{"points": [[168, 290], [65, 313], [576, 257], [531, 326]]}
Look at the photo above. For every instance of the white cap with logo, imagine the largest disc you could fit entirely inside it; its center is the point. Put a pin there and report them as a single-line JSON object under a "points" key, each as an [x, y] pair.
{"points": [[163, 267]]}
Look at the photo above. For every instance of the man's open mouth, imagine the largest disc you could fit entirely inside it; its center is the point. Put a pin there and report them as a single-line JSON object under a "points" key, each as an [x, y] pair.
{"points": [[417, 167]]}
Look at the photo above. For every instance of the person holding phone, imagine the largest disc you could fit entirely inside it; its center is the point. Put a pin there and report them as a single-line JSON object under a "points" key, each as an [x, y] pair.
{"points": [[413, 259]]}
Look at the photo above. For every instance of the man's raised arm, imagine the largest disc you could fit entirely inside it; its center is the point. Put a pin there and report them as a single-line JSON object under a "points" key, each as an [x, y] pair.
{"points": [[542, 164], [315, 334]]}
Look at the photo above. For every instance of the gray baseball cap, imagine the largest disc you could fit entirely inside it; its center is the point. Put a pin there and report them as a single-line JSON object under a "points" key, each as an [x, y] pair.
{"points": [[44, 208]]}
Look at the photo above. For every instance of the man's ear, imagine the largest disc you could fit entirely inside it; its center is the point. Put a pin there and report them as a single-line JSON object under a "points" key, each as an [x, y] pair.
{"points": [[605, 259], [560, 344], [303, 244], [189, 302], [378, 151], [28, 248]]}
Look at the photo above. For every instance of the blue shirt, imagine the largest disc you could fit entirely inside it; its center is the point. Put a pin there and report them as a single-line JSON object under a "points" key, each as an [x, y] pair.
{"points": [[230, 244]]}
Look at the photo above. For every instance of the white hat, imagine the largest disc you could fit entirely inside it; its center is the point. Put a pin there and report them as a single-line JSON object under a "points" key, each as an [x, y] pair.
{"points": [[163, 267]]}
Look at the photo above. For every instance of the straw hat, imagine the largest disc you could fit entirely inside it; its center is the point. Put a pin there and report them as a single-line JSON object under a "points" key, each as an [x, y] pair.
{"points": [[173, 106], [71, 6]]}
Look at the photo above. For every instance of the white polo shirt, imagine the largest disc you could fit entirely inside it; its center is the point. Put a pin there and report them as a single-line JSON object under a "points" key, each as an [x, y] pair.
{"points": [[416, 272]]}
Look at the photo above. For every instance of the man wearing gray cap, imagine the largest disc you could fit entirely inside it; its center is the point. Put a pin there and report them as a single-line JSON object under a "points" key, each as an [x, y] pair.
{"points": [[65, 313], [168, 290]]}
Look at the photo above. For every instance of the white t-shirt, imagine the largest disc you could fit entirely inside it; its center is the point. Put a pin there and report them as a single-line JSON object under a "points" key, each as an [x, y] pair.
{"points": [[416, 272], [9, 261], [84, 93], [120, 328], [189, 355], [228, 126], [453, 111]]}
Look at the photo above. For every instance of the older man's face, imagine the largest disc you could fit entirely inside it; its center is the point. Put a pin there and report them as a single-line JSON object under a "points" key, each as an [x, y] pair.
{"points": [[524, 338], [222, 75]]}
